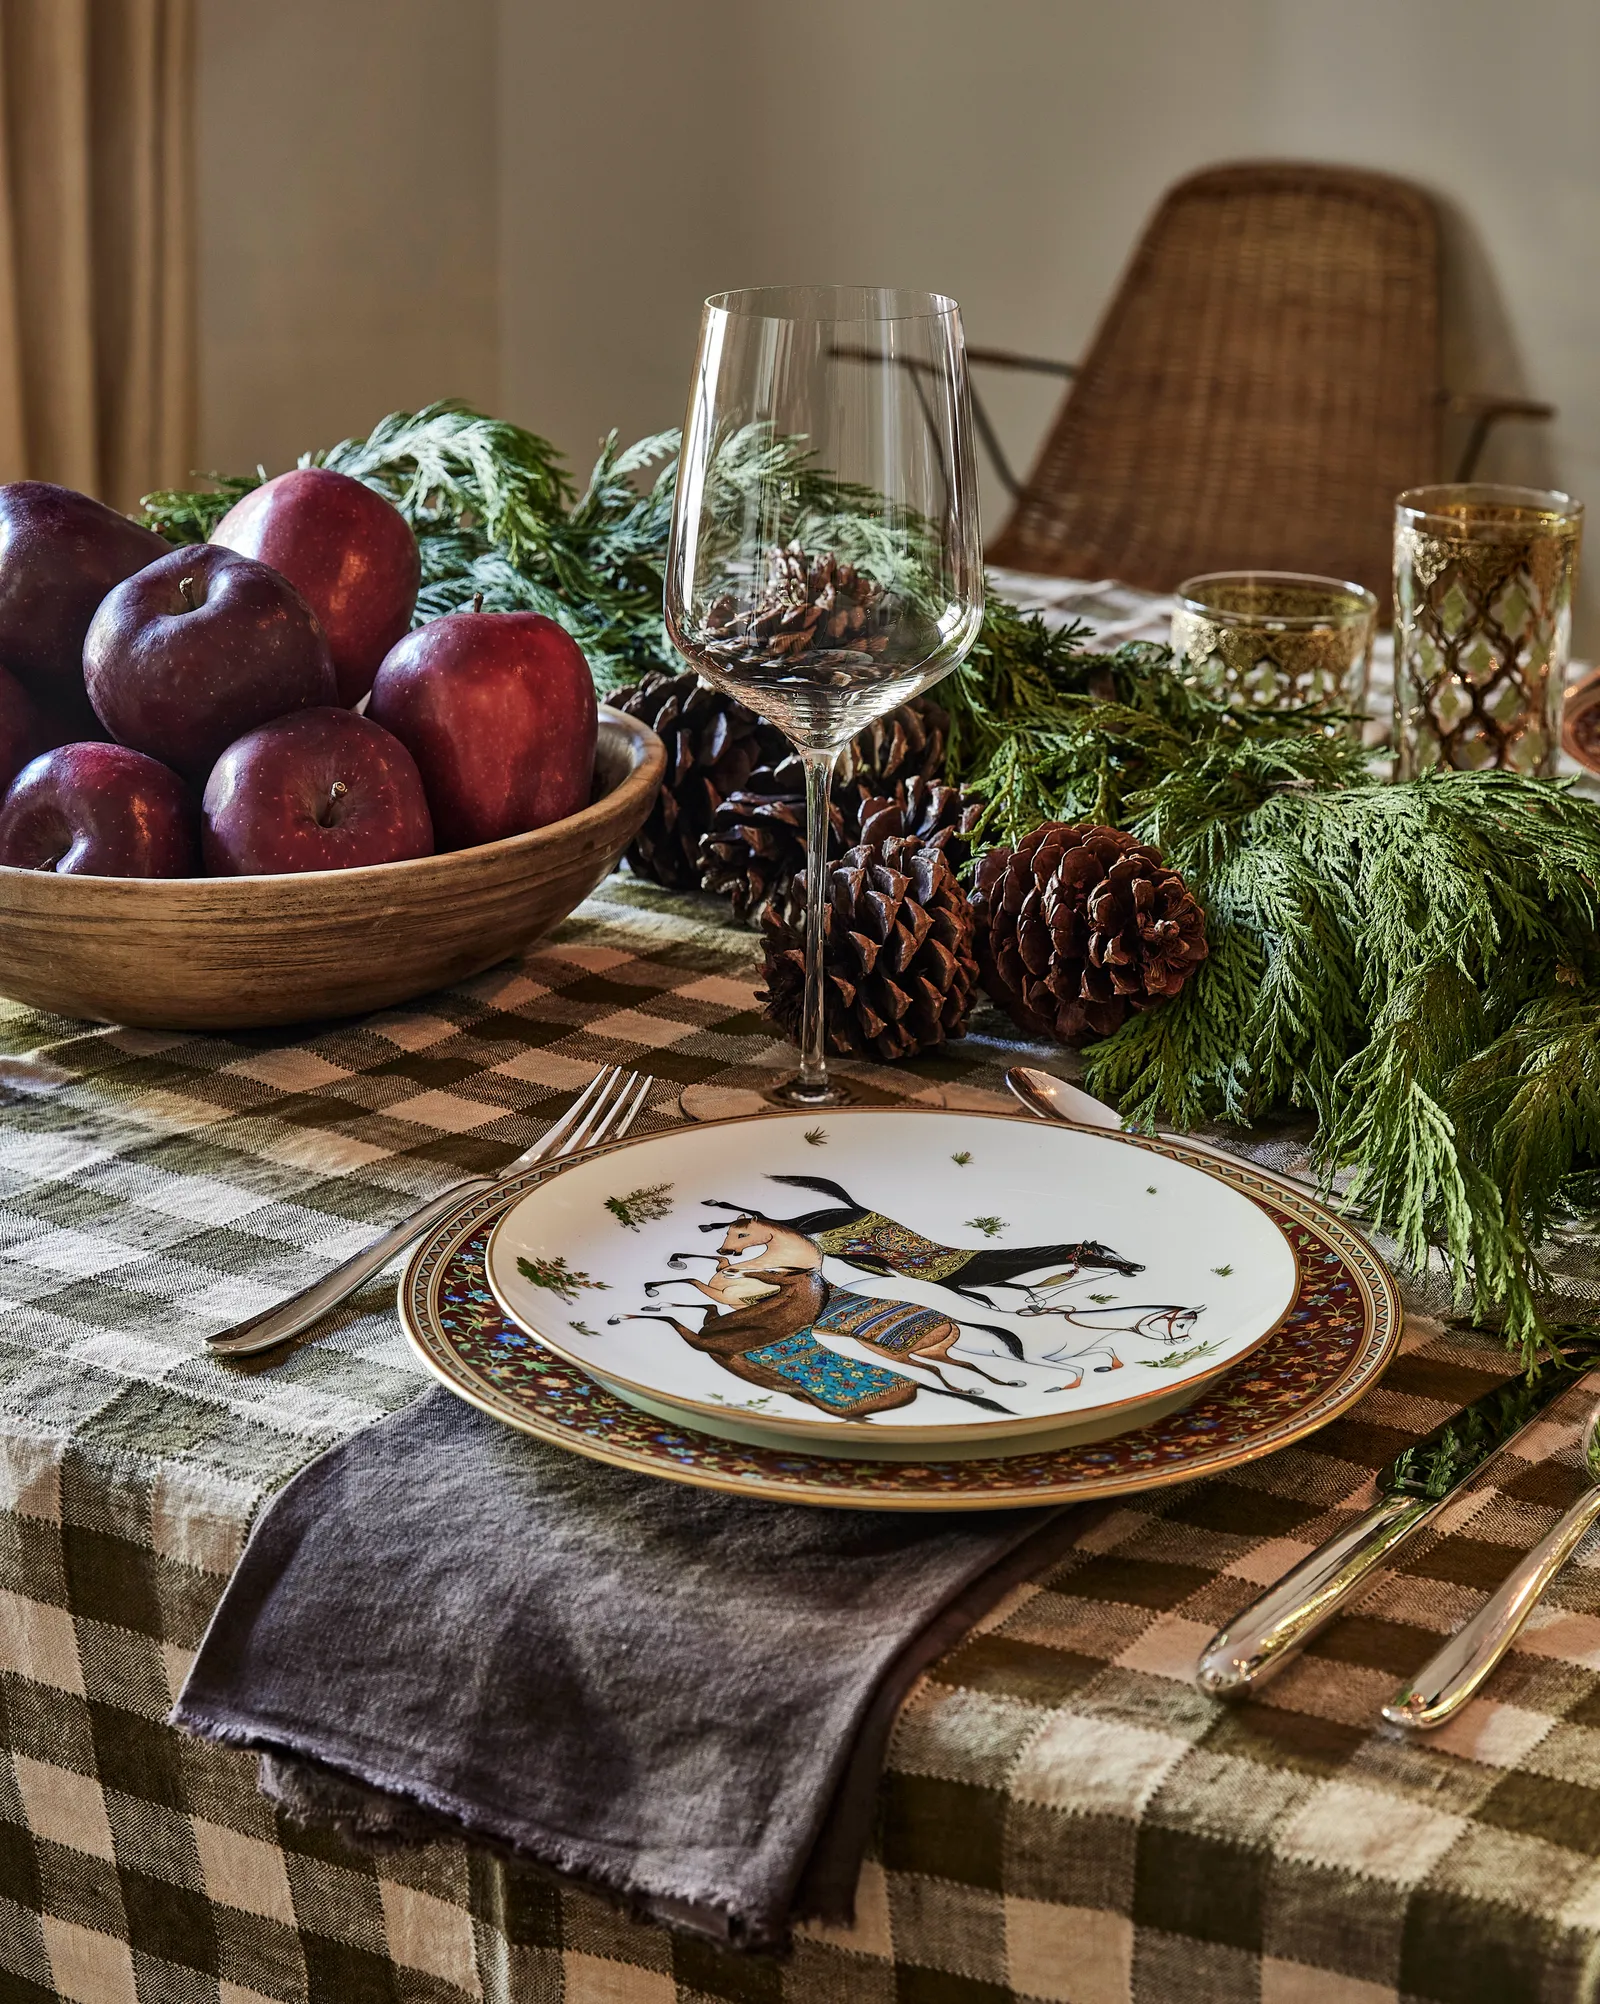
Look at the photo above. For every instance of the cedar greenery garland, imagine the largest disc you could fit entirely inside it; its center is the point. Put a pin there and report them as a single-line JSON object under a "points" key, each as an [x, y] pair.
{"points": [[496, 512], [1415, 965]]}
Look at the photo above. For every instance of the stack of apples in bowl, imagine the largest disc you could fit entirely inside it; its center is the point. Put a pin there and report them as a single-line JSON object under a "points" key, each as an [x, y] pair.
{"points": [[240, 787]]}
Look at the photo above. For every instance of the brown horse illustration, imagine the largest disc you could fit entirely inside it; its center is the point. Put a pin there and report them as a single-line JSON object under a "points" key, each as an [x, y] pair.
{"points": [[901, 1331], [768, 1339], [873, 1243], [778, 1246]]}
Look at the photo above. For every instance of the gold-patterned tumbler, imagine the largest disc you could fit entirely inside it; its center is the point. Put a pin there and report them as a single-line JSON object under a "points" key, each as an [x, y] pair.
{"points": [[1276, 640], [1483, 580]]}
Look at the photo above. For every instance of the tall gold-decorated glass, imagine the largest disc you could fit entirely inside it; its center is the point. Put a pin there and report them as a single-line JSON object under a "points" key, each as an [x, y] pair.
{"points": [[1483, 580], [826, 562]]}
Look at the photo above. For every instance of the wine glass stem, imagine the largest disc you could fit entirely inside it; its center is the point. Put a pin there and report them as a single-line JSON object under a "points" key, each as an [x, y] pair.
{"points": [[814, 1018]]}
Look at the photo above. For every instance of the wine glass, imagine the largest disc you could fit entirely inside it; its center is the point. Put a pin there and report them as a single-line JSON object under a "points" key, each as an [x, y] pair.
{"points": [[825, 562]]}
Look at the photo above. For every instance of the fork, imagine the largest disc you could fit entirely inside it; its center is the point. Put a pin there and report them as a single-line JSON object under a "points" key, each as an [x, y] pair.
{"points": [[605, 1109]]}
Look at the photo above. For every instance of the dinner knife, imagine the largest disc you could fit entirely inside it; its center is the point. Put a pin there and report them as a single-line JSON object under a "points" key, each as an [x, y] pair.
{"points": [[1412, 1490], [1462, 1664]]}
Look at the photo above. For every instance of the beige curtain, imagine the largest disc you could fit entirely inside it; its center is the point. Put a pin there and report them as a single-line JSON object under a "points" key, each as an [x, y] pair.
{"points": [[97, 244]]}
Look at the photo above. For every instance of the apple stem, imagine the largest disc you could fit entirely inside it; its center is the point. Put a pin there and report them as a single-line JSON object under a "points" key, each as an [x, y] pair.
{"points": [[477, 601], [186, 592], [335, 793]]}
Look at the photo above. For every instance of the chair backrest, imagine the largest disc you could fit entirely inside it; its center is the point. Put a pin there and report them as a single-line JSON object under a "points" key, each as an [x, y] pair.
{"points": [[1264, 383]]}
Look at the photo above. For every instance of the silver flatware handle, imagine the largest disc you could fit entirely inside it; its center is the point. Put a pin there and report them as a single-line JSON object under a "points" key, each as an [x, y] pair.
{"points": [[1274, 1628], [294, 1316], [1052, 1098], [609, 1104], [1449, 1678]]}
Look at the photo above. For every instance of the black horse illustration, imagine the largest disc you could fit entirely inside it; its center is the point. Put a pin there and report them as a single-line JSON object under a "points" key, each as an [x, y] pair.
{"points": [[873, 1243]]}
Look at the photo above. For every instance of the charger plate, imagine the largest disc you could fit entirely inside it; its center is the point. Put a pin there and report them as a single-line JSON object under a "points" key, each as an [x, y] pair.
{"points": [[1325, 1354], [905, 1281]]}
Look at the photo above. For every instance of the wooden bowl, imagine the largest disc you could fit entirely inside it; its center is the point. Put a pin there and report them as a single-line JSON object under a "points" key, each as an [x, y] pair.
{"points": [[229, 953]]}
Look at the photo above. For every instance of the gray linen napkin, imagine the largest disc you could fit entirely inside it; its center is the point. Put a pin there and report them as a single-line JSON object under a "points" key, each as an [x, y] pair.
{"points": [[677, 1697]]}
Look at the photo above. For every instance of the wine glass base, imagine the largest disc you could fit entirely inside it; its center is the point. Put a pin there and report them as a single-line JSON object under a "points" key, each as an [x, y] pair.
{"points": [[799, 1097]]}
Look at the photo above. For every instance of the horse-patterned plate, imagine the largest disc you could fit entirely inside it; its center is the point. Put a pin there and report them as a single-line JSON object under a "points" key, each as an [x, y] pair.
{"points": [[1330, 1350], [895, 1282]]}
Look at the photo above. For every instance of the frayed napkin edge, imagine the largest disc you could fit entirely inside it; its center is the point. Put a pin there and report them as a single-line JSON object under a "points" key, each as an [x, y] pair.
{"points": [[677, 1908]]}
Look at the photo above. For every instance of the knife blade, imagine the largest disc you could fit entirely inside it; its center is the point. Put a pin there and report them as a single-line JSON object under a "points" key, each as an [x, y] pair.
{"points": [[1412, 1490]]}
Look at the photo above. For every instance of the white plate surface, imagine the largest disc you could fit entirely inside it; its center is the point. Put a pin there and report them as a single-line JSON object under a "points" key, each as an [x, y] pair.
{"points": [[1005, 1244]]}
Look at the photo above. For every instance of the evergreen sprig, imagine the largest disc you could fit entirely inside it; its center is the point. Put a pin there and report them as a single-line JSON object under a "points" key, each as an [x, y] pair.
{"points": [[495, 511], [1414, 965], [185, 517]]}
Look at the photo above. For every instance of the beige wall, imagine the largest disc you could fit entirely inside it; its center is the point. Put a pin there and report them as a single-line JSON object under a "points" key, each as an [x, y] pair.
{"points": [[348, 246], [1003, 152], [591, 168]]}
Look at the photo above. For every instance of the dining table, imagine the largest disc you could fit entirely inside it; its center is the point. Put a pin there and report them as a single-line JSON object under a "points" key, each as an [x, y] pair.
{"points": [[1063, 1815]]}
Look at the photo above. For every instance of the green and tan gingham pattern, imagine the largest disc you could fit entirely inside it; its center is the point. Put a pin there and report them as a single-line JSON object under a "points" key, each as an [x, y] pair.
{"points": [[1064, 1817]]}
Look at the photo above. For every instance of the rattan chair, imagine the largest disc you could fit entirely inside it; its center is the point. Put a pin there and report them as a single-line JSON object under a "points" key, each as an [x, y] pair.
{"points": [[1264, 382]]}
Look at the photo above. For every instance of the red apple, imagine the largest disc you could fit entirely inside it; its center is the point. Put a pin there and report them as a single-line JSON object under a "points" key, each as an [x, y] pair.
{"points": [[60, 553], [498, 710], [349, 552], [199, 648], [22, 729], [321, 790], [99, 810]]}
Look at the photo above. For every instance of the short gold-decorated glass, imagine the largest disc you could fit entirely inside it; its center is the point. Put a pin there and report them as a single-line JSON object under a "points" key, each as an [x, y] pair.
{"points": [[1276, 640], [1483, 579]]}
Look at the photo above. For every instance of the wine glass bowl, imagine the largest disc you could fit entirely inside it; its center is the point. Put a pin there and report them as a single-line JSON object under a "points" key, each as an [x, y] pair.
{"points": [[826, 559], [826, 562], [820, 645]]}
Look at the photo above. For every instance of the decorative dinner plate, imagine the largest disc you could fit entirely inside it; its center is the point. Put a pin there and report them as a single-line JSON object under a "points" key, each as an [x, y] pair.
{"points": [[894, 1280], [1329, 1349]]}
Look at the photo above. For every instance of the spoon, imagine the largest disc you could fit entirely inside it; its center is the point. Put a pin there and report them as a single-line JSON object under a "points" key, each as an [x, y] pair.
{"points": [[1449, 1678], [1053, 1099]]}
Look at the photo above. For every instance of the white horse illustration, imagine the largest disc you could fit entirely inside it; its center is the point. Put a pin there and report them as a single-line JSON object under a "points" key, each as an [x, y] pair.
{"points": [[1165, 1323]]}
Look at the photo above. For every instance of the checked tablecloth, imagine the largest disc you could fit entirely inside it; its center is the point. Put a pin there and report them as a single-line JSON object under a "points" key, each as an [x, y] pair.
{"points": [[1064, 1817]]}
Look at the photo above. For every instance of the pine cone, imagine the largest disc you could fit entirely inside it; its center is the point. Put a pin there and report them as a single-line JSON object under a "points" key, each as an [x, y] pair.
{"points": [[908, 743], [1080, 927], [757, 840], [814, 620], [713, 744], [941, 816], [898, 939], [755, 853]]}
